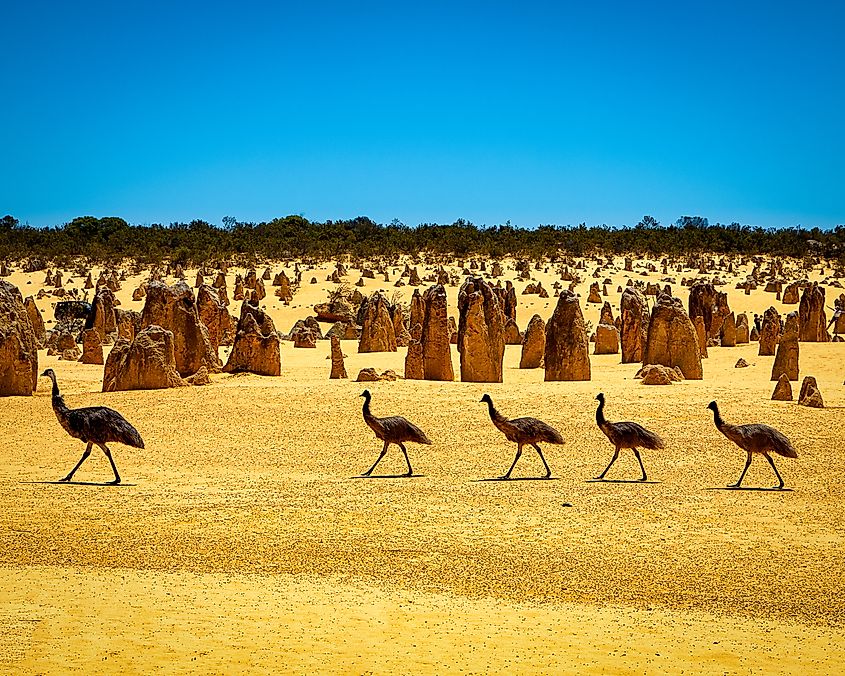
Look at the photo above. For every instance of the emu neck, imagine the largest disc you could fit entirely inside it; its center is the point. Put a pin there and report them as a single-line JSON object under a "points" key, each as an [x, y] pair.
{"points": [[58, 402], [366, 409], [600, 419], [495, 416], [717, 419]]}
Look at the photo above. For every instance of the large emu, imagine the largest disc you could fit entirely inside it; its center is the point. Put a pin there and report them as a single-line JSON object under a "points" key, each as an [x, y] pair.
{"points": [[523, 431], [392, 430], [93, 425], [626, 435], [754, 438]]}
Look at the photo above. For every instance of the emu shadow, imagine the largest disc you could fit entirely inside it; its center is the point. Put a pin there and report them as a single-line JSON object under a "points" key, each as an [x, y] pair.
{"points": [[520, 478], [388, 476], [763, 489], [79, 483], [620, 481]]}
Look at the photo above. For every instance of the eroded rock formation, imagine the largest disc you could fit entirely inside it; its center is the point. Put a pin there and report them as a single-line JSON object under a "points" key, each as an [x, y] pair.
{"points": [[481, 342], [672, 339], [146, 363], [566, 353]]}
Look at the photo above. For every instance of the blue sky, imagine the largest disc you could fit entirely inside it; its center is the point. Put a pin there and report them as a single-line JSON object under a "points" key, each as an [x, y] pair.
{"points": [[424, 112]]}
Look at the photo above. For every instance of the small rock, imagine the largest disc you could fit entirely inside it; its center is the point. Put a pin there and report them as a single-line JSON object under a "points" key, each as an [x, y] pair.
{"points": [[71, 354], [810, 395], [657, 374], [783, 389], [199, 378], [370, 375]]}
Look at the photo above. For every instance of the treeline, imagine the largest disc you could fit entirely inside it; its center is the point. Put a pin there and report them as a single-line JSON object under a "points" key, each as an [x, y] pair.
{"points": [[112, 239]]}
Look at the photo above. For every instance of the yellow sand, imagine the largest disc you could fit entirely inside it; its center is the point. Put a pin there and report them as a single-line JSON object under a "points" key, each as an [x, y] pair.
{"points": [[240, 541]]}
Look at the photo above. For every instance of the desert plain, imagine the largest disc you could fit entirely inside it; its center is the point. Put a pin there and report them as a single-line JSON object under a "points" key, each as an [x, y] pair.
{"points": [[241, 539]]}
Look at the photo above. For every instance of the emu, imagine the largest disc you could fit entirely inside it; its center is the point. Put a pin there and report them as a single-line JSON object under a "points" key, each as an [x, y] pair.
{"points": [[626, 435], [523, 431], [754, 438], [392, 430], [93, 425]]}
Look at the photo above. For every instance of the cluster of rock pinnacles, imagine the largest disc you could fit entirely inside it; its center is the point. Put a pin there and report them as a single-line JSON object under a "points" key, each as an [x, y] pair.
{"points": [[175, 339]]}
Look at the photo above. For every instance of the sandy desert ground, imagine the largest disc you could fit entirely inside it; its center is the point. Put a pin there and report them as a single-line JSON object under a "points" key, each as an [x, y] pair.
{"points": [[242, 541]]}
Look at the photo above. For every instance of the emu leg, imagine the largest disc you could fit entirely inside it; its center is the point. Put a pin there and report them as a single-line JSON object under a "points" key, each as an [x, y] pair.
{"points": [[612, 460], [410, 471], [640, 460], [518, 453], [85, 454], [772, 463], [548, 470], [378, 460], [111, 460], [742, 476]]}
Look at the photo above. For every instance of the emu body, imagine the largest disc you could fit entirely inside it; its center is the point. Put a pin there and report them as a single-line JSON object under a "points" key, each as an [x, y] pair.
{"points": [[391, 430], [523, 432], [626, 435], [754, 438], [93, 425]]}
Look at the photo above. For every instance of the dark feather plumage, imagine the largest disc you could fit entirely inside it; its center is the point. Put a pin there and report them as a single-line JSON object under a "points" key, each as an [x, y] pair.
{"points": [[396, 428], [529, 431], [632, 435], [101, 425], [759, 437]]}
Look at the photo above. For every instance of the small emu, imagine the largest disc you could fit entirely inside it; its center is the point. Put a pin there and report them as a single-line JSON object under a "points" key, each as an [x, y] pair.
{"points": [[523, 431], [93, 425], [626, 435], [754, 438], [392, 430]]}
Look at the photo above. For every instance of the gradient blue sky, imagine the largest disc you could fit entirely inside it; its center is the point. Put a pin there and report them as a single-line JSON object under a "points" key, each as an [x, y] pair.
{"points": [[425, 112]]}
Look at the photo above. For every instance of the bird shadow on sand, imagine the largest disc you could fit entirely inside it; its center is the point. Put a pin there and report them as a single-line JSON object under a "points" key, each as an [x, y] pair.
{"points": [[80, 483], [761, 489], [520, 478], [389, 476], [620, 481]]}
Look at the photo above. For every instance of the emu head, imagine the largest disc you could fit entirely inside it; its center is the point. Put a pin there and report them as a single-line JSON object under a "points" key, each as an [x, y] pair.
{"points": [[486, 399], [49, 373], [713, 406], [366, 394], [600, 397]]}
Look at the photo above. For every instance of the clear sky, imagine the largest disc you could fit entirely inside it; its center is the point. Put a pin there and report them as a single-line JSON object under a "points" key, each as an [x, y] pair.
{"points": [[426, 112]]}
